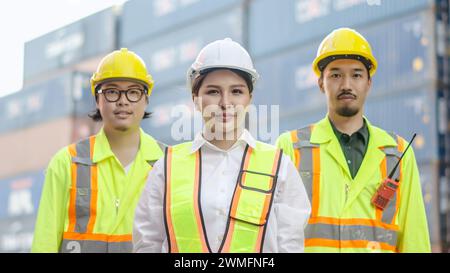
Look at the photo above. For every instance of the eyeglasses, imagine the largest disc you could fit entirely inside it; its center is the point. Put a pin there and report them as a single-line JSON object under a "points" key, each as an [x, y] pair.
{"points": [[113, 95]]}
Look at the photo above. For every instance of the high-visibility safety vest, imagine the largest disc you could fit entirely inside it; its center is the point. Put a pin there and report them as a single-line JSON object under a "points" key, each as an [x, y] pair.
{"points": [[343, 218], [93, 220], [250, 206]]}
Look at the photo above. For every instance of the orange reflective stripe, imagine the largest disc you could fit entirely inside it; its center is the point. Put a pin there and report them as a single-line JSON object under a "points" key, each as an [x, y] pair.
{"points": [[294, 138], [94, 189], [348, 244], [73, 191], [259, 240], [316, 181], [173, 242], [226, 246], [196, 202], [97, 237], [349, 222], [269, 196]]}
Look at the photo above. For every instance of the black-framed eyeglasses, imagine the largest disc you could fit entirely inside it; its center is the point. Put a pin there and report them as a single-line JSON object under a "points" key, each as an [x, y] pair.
{"points": [[114, 94]]}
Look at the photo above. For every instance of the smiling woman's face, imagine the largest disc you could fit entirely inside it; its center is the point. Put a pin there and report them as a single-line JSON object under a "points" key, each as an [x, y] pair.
{"points": [[223, 99]]}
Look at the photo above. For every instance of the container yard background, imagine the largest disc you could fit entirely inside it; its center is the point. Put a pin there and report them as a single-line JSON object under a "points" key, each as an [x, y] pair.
{"points": [[410, 39]]}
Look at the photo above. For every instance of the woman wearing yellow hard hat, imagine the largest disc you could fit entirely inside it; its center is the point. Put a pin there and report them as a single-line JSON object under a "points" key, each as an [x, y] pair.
{"points": [[224, 191], [92, 187]]}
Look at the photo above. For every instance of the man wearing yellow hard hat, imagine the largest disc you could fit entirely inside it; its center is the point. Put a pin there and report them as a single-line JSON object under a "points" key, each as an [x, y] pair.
{"points": [[344, 161], [92, 187]]}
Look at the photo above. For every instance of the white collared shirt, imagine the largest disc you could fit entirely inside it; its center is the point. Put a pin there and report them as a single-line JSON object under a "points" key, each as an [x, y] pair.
{"points": [[287, 219]]}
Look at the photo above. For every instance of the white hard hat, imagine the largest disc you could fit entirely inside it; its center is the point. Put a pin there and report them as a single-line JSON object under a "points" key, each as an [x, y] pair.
{"points": [[222, 54]]}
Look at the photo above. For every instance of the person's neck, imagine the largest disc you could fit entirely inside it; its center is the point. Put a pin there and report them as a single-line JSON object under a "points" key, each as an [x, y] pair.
{"points": [[226, 141], [347, 125], [122, 140]]}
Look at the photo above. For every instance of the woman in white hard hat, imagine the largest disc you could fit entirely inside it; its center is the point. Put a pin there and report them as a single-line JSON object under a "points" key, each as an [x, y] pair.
{"points": [[224, 191]]}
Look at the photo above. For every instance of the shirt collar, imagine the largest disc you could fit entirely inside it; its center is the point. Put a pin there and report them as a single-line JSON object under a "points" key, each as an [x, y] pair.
{"points": [[148, 147], [244, 139], [323, 132], [363, 132]]}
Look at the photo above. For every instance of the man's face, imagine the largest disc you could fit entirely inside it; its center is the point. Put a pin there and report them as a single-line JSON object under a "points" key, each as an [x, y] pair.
{"points": [[123, 114], [346, 84]]}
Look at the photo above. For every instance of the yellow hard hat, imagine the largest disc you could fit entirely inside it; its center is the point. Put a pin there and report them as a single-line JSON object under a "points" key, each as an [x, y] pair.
{"points": [[122, 64], [344, 43]]}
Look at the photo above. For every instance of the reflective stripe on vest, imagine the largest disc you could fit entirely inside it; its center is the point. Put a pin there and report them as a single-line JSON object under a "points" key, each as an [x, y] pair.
{"points": [[250, 206], [379, 233], [83, 207]]}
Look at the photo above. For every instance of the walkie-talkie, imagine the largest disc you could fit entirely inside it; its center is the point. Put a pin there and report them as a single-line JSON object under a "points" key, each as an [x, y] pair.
{"points": [[389, 186]]}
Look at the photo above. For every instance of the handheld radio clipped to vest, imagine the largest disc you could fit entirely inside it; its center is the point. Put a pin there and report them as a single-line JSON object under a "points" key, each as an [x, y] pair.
{"points": [[389, 186]]}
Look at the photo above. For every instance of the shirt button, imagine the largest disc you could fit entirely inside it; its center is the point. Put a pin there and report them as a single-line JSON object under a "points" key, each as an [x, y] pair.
{"points": [[349, 162]]}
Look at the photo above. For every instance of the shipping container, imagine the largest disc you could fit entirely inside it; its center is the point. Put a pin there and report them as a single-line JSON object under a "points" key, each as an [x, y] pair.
{"points": [[172, 112], [404, 49], [20, 195], [169, 55], [66, 95], [429, 179], [87, 38], [32, 148], [145, 19], [277, 25], [16, 234]]}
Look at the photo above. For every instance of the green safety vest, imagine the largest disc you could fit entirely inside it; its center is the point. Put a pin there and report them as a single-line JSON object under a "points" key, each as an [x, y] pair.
{"points": [[83, 204], [343, 219], [249, 209]]}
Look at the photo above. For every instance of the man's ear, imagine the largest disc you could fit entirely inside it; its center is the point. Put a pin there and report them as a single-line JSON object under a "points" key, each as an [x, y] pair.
{"points": [[320, 83]]}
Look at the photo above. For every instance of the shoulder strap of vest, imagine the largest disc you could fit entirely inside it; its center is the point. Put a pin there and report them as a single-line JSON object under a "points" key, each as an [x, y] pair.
{"points": [[83, 151], [303, 138], [393, 154]]}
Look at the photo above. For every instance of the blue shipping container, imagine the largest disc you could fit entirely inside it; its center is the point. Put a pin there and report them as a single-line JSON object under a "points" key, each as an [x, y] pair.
{"points": [[92, 36], [68, 94], [276, 25], [16, 234], [143, 19], [171, 107], [20, 196], [169, 55]]}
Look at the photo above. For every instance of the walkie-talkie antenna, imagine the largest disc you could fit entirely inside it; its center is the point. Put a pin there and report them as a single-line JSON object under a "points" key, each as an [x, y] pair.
{"points": [[398, 162]]}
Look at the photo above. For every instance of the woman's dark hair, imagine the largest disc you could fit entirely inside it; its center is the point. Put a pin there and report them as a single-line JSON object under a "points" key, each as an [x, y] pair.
{"points": [[95, 115], [197, 83]]}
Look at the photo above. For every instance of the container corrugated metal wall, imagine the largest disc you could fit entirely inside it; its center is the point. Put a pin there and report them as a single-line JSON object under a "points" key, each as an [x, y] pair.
{"points": [[16, 235], [143, 19], [19, 202], [32, 148], [89, 37], [19, 196], [292, 22], [66, 95], [169, 55], [429, 180], [169, 105]]}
